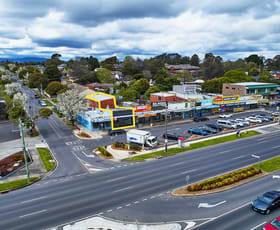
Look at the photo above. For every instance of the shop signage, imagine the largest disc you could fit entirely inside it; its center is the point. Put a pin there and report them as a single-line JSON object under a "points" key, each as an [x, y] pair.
{"points": [[142, 108], [159, 105], [225, 99]]}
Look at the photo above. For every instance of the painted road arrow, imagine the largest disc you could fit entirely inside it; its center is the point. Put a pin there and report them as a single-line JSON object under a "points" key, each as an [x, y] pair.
{"points": [[275, 176], [206, 205]]}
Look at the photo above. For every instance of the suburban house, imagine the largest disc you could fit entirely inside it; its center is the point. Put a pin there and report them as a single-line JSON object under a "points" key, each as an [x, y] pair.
{"points": [[177, 69]]}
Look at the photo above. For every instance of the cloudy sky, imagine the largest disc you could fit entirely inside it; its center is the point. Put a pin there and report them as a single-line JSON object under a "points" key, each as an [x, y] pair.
{"points": [[143, 28]]}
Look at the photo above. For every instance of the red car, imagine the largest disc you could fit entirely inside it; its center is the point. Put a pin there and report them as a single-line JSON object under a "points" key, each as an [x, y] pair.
{"points": [[273, 224]]}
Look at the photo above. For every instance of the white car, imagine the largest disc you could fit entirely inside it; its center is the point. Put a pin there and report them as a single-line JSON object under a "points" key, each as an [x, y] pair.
{"points": [[238, 123], [253, 119], [242, 121], [225, 115]]}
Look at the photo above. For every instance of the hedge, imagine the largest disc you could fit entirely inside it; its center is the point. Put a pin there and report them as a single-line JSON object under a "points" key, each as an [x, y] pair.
{"points": [[224, 180]]}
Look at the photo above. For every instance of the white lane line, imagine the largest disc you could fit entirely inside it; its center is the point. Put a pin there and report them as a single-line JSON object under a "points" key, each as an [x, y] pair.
{"points": [[136, 202], [119, 207], [179, 163], [144, 199], [33, 213], [101, 213], [123, 189], [258, 226], [110, 210], [238, 157], [226, 151], [188, 171], [112, 167], [152, 197], [127, 205], [115, 179], [119, 166], [276, 147], [27, 201]]}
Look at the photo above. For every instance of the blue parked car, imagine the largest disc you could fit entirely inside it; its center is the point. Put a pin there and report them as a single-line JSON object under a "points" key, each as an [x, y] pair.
{"points": [[208, 129], [197, 131]]}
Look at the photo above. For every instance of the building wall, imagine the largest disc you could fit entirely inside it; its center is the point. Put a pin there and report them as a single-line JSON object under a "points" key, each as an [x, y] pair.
{"points": [[171, 98], [229, 89], [104, 104]]}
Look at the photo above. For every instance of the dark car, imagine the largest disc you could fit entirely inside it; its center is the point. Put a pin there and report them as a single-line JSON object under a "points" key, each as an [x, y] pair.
{"points": [[266, 202], [172, 136], [215, 126], [198, 119], [197, 131], [116, 132], [208, 129]]}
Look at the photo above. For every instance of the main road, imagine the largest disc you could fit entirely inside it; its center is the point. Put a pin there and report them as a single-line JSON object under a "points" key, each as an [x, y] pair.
{"points": [[50, 204]]}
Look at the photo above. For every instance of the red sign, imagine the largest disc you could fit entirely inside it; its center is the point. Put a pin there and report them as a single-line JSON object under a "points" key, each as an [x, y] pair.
{"points": [[217, 99], [78, 128], [142, 108]]}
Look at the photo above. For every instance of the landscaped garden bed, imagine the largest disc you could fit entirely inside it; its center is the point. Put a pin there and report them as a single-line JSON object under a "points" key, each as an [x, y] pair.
{"points": [[124, 147], [84, 135], [12, 163], [46, 158], [104, 153]]}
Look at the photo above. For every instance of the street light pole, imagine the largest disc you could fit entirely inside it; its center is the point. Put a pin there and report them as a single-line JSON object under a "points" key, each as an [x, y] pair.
{"points": [[24, 151], [166, 140], [259, 158]]}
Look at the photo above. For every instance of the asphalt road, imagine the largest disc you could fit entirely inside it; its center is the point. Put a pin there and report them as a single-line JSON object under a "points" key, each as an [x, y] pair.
{"points": [[50, 204]]}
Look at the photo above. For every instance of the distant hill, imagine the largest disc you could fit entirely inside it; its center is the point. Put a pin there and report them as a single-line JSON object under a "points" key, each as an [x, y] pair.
{"points": [[24, 59]]}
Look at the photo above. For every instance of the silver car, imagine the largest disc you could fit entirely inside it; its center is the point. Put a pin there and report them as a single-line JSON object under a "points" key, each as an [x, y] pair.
{"points": [[244, 122]]}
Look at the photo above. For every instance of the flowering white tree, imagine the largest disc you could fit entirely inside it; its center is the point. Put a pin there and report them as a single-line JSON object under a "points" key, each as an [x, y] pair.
{"points": [[71, 104], [12, 88], [22, 98]]}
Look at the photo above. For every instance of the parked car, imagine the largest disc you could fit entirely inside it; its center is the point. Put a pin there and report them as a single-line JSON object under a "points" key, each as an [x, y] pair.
{"points": [[253, 119], [238, 123], [215, 126], [225, 115], [208, 129], [197, 131], [273, 224], [275, 114], [198, 119], [116, 132], [42, 102], [172, 136], [243, 121], [227, 124], [266, 202]]}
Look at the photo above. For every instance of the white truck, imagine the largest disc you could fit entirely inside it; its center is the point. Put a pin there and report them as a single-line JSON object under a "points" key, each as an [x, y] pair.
{"points": [[141, 137]]}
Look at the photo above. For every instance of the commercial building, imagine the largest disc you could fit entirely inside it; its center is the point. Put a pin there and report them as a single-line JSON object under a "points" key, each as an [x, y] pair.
{"points": [[267, 90]]}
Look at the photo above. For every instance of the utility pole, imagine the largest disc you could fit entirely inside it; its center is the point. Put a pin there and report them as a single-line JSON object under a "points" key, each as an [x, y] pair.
{"points": [[41, 90], [24, 150], [166, 140]]}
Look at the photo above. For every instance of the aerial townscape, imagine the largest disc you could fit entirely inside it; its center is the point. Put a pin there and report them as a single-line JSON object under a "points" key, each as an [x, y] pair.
{"points": [[139, 115]]}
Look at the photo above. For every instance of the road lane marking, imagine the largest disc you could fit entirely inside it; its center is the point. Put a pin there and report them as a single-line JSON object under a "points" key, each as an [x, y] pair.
{"points": [[206, 205], [27, 201], [127, 205], [136, 202], [144, 199], [188, 171], [123, 189], [238, 157], [110, 210], [115, 179], [258, 226], [33, 213], [119, 207], [179, 163], [276, 147]]}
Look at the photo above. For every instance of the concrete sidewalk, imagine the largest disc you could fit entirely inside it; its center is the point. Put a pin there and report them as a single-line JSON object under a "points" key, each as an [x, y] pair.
{"points": [[100, 223]]}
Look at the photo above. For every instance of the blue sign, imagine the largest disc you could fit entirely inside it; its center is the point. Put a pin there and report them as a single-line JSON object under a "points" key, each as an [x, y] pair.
{"points": [[133, 138]]}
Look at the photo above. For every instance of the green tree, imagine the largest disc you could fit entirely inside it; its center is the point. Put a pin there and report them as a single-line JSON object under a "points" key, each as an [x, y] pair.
{"points": [[52, 73], [141, 86], [195, 60], [15, 113], [88, 78], [153, 89], [53, 87], [212, 66], [253, 72], [45, 112], [104, 76], [93, 63], [36, 79], [256, 59], [129, 94]]}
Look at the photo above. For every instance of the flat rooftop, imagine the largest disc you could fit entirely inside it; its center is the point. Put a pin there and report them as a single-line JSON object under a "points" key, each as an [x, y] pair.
{"points": [[252, 83], [101, 97]]}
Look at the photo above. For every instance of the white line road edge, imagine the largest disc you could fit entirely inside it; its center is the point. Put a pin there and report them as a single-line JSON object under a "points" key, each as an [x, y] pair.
{"points": [[33, 213], [206, 205], [258, 225]]}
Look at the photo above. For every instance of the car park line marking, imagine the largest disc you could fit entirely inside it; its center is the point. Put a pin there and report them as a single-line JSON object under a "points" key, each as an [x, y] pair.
{"points": [[152, 197], [258, 226], [33, 213], [144, 199], [119, 207], [110, 210], [27, 201], [101, 213], [276, 177], [136, 202], [127, 205]]}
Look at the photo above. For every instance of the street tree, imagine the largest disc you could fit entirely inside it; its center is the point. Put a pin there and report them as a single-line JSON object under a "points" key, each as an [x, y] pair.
{"points": [[93, 63], [52, 73], [15, 113], [45, 112], [12, 88], [141, 86], [71, 104], [36, 80], [53, 87], [104, 76], [194, 60], [21, 98], [153, 89]]}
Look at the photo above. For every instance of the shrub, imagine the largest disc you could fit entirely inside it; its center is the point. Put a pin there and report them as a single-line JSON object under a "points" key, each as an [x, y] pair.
{"points": [[83, 134], [104, 151], [135, 147]]}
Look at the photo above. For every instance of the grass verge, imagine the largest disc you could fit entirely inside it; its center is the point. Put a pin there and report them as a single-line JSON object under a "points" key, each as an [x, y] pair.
{"points": [[48, 103], [46, 158], [270, 165], [54, 100], [16, 184], [192, 146]]}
